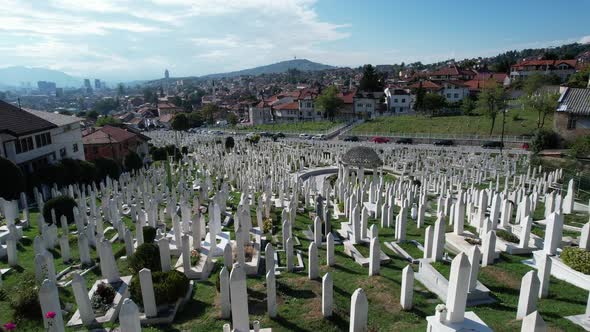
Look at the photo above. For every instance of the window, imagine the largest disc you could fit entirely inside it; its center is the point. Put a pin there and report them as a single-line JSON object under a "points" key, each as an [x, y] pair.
{"points": [[75, 147], [24, 144], [43, 139], [448, 95], [359, 105], [395, 100], [456, 95], [403, 100], [62, 152], [571, 122]]}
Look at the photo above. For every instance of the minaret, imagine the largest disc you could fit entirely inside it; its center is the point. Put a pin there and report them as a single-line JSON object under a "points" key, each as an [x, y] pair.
{"points": [[166, 80]]}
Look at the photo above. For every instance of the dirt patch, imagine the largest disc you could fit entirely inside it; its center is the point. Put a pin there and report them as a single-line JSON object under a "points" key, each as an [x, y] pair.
{"points": [[502, 276]]}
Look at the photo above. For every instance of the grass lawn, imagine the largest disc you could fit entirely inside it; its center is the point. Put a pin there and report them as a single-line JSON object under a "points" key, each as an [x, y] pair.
{"points": [[299, 299], [308, 127], [460, 125]]}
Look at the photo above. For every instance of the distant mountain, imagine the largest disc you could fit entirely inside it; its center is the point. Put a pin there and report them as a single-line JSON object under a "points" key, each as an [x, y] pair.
{"points": [[13, 76], [279, 67]]}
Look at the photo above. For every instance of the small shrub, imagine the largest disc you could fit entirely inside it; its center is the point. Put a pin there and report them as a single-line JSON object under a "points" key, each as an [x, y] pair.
{"points": [[63, 206], [195, 257], [544, 139], [581, 147], [507, 236], [168, 287], [24, 299], [576, 258], [103, 297], [133, 161], [12, 179], [516, 117], [107, 167], [267, 225], [229, 143], [149, 234], [147, 255]]}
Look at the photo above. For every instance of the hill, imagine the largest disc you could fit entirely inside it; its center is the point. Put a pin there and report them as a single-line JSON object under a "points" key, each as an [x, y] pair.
{"points": [[275, 68], [13, 76]]}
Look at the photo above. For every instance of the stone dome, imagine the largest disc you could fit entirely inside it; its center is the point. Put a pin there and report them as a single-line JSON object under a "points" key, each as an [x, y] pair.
{"points": [[361, 156]]}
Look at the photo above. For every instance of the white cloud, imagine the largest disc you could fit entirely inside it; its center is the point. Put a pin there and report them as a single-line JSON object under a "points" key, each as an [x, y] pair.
{"points": [[584, 40]]}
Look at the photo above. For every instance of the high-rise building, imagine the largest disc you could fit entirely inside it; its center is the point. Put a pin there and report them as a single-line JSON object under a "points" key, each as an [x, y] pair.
{"points": [[97, 84], [166, 74], [87, 85], [46, 87]]}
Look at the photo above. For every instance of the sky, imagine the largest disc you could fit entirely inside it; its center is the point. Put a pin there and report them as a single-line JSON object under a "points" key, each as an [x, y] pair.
{"points": [[136, 40]]}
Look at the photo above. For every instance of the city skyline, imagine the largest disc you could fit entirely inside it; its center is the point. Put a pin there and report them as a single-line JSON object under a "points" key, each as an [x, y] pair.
{"points": [[136, 40]]}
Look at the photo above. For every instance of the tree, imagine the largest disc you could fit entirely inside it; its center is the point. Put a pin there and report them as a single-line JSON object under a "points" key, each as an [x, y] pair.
{"points": [[543, 103], [433, 103], [468, 105], [329, 102], [232, 119], [195, 119], [209, 111], [229, 143], [149, 95], [492, 100], [371, 80], [12, 179], [180, 122], [92, 115], [419, 103], [579, 79], [107, 120], [133, 161], [105, 106]]}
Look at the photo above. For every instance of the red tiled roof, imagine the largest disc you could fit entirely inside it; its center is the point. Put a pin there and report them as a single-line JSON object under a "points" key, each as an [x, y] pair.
{"points": [[166, 118], [429, 85], [521, 64], [288, 106], [106, 135], [347, 97]]}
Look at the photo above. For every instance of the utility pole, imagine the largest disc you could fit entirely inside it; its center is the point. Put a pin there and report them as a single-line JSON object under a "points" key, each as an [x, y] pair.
{"points": [[502, 137]]}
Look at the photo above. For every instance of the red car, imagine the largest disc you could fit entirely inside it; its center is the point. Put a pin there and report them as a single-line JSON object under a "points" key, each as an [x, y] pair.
{"points": [[378, 139]]}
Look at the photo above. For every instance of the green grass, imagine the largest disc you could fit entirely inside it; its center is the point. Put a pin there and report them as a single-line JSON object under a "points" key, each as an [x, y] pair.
{"points": [[460, 125], [296, 127]]}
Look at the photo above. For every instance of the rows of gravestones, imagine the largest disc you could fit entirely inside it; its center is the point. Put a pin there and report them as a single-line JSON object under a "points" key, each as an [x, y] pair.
{"points": [[198, 200]]}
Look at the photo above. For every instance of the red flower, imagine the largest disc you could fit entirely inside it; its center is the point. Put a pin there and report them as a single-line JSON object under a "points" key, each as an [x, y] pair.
{"points": [[9, 326], [50, 315]]}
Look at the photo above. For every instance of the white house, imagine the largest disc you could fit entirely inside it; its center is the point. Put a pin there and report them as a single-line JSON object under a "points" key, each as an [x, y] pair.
{"points": [[33, 139], [366, 104], [399, 101], [454, 91]]}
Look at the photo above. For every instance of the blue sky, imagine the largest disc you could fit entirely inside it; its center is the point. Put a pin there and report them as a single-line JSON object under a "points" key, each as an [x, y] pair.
{"points": [[133, 39]]}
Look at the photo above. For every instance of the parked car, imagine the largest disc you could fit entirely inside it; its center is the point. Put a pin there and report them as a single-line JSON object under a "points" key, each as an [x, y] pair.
{"points": [[266, 134], [304, 136], [404, 141], [319, 137], [351, 139], [444, 142], [279, 135], [492, 145], [379, 139]]}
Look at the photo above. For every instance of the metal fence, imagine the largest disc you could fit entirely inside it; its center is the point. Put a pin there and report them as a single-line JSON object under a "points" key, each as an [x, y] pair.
{"points": [[507, 138]]}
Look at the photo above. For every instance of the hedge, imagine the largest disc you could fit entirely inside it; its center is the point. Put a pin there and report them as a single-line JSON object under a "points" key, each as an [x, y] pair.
{"points": [[63, 206], [168, 287], [576, 258], [147, 255]]}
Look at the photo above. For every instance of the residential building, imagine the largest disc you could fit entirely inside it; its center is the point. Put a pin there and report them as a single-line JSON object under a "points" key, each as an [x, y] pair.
{"points": [[562, 68], [366, 104], [46, 87], [453, 91], [260, 113], [287, 112], [114, 143], [398, 101], [572, 117], [168, 108], [451, 73], [34, 139]]}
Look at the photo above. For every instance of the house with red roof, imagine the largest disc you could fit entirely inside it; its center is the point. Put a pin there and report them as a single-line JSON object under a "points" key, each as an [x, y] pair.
{"points": [[562, 68], [114, 143], [451, 73], [453, 91]]}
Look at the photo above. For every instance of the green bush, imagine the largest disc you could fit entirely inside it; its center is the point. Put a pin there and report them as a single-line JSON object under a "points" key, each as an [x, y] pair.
{"points": [[168, 287], [107, 167], [147, 255], [576, 258], [24, 298], [103, 297], [544, 139], [229, 143], [12, 179], [581, 147], [133, 161], [88, 172], [507, 236], [149, 234], [63, 206]]}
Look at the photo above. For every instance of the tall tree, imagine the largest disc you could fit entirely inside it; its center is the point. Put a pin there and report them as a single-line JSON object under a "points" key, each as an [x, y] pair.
{"points": [[544, 103], [371, 80], [433, 103], [180, 122], [468, 105], [419, 103], [491, 101], [329, 102], [232, 118], [209, 111]]}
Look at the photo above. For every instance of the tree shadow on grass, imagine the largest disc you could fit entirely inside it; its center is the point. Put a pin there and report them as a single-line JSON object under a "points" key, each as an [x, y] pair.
{"points": [[287, 290], [345, 269]]}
